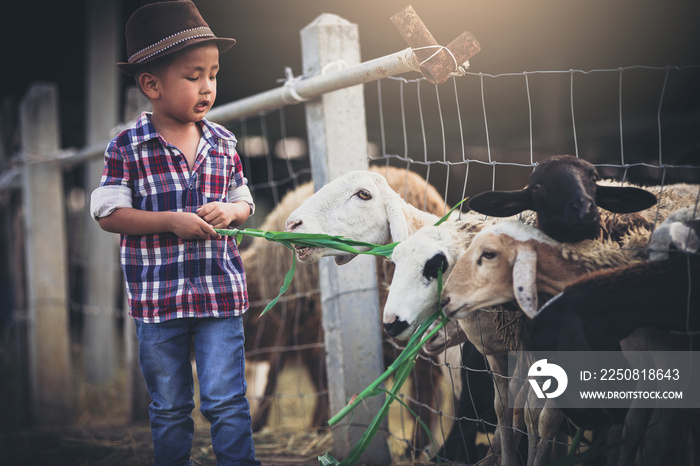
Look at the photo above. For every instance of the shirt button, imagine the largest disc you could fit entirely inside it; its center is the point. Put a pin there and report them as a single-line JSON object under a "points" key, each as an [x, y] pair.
{"points": [[191, 249]]}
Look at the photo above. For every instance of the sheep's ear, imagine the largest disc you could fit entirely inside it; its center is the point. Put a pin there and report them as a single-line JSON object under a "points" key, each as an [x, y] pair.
{"points": [[344, 259], [525, 280], [398, 227], [684, 238], [502, 203], [623, 199]]}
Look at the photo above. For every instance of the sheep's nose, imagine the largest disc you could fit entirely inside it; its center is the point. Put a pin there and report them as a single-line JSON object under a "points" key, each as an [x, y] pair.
{"points": [[292, 225], [445, 301], [395, 327], [581, 209]]}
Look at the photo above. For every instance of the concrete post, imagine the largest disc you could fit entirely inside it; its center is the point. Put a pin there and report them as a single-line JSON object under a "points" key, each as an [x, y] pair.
{"points": [[46, 263], [337, 144]]}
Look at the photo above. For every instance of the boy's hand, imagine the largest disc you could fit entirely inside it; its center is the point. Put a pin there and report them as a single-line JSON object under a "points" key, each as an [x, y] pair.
{"points": [[130, 221], [189, 226], [224, 214]]}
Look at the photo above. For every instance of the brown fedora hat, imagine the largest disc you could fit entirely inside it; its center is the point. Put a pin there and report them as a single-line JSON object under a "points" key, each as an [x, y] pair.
{"points": [[159, 29]]}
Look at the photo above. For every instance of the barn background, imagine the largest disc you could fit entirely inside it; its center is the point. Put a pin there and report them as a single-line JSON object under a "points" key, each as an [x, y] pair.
{"points": [[612, 82]]}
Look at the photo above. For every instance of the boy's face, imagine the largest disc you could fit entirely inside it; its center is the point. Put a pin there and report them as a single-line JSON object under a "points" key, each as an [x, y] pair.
{"points": [[187, 88]]}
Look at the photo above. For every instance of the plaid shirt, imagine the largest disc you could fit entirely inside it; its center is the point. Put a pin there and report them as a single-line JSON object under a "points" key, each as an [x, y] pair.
{"points": [[167, 277]]}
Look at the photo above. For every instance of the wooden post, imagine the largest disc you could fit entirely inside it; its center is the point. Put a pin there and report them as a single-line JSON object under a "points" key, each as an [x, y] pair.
{"points": [[101, 248], [436, 62], [137, 399], [46, 263], [351, 321], [13, 247]]}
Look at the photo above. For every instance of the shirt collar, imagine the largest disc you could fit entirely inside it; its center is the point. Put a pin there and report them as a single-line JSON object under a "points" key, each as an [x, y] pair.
{"points": [[211, 132], [143, 130]]}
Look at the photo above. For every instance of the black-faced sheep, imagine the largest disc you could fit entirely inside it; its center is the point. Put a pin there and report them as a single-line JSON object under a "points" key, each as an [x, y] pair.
{"points": [[296, 322], [565, 193]]}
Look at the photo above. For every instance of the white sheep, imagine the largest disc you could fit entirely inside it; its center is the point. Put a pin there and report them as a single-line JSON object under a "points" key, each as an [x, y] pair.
{"points": [[296, 322], [417, 260], [413, 297], [359, 205]]}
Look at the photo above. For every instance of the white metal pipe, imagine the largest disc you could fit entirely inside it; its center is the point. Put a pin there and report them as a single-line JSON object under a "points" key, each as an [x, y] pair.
{"points": [[309, 88]]}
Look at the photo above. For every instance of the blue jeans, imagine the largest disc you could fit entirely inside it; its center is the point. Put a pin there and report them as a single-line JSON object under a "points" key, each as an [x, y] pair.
{"points": [[164, 356]]}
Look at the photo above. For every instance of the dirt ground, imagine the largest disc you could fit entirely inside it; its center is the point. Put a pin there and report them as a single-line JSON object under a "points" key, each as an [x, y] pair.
{"points": [[104, 440], [118, 446]]}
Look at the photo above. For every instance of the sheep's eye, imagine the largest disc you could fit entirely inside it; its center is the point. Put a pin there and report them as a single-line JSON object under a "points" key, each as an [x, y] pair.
{"points": [[364, 195], [536, 187], [432, 265], [488, 255]]}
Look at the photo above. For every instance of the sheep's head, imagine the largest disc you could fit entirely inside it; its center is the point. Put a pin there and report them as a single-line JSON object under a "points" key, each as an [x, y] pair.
{"points": [[482, 276], [413, 295], [499, 266], [564, 192], [356, 205]]}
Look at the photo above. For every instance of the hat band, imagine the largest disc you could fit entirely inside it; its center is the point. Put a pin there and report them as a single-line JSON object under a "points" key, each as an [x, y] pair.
{"points": [[168, 42]]}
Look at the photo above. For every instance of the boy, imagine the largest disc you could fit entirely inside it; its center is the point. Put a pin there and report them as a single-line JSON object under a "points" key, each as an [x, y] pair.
{"points": [[168, 182]]}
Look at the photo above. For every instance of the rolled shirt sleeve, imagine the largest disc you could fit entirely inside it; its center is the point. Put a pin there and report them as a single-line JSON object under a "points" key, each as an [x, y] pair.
{"points": [[106, 199], [242, 193]]}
